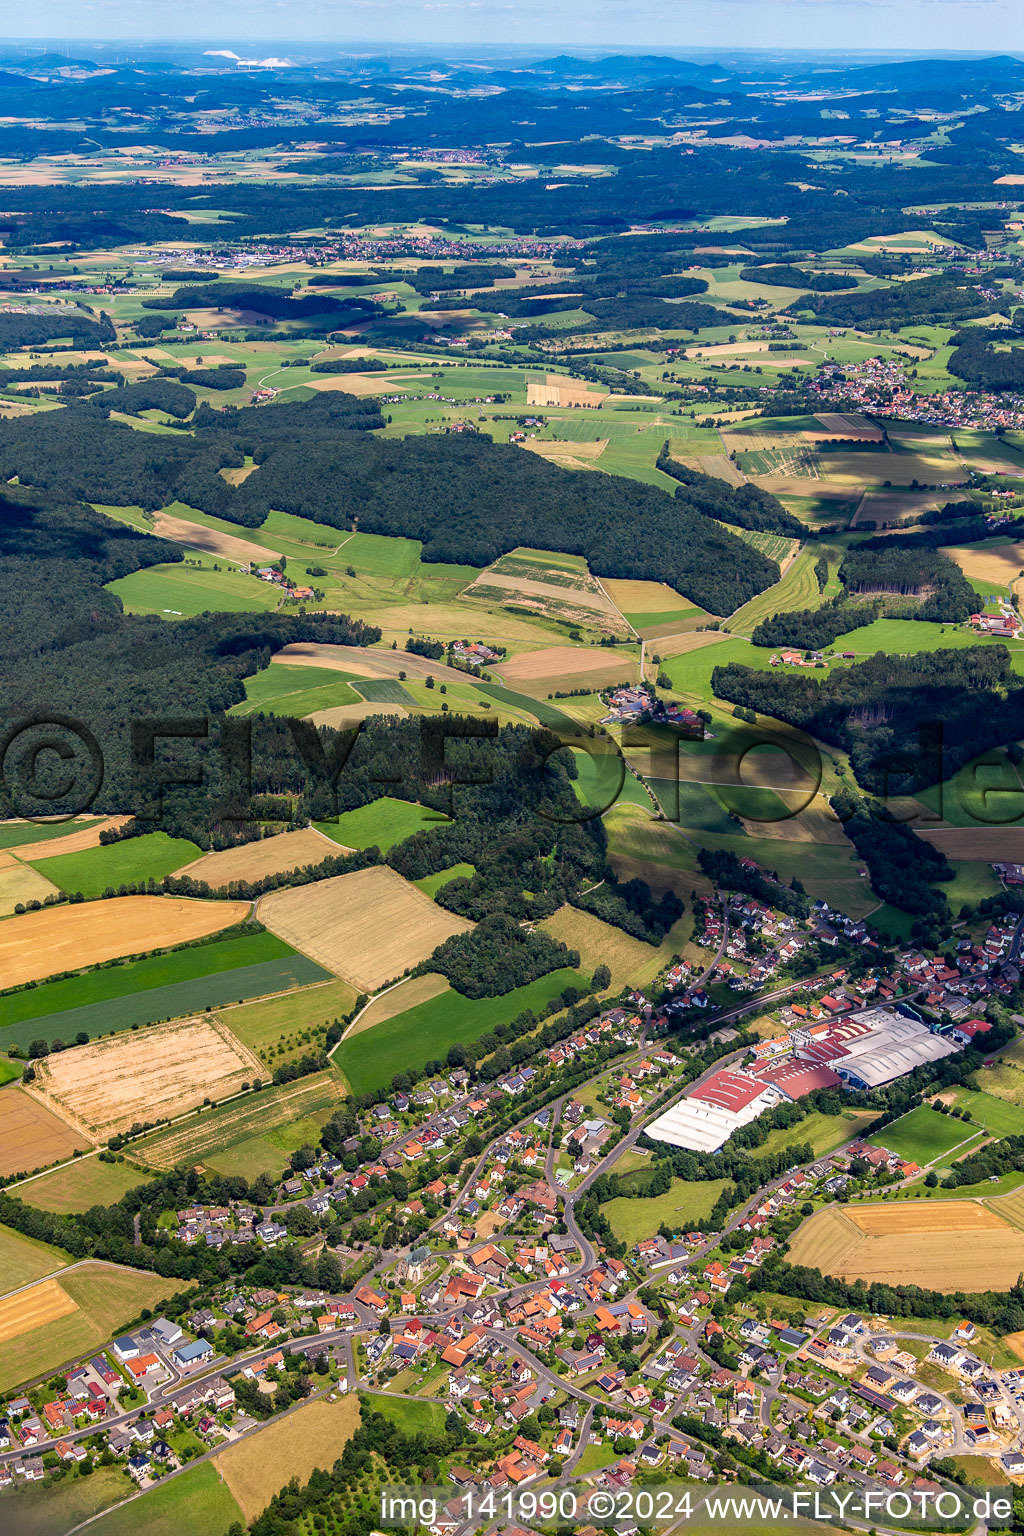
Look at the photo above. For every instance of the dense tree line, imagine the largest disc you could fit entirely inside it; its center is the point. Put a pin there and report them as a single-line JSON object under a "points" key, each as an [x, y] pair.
{"points": [[906, 721], [633, 907], [902, 866], [934, 299], [910, 570], [794, 277], [746, 507], [810, 629], [497, 956], [725, 869], [75, 326], [978, 362]]}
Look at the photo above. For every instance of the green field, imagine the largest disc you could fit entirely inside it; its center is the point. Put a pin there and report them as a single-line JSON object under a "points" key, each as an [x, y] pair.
{"points": [[412, 1415], [23, 1259], [922, 1136], [382, 823], [296, 1017], [431, 884], [10, 1071], [285, 690], [48, 1509], [196, 1501], [998, 1117], [384, 690], [183, 591], [370, 1060], [824, 1132], [250, 1135], [106, 1300], [798, 588], [546, 713], [125, 862], [81, 1184], [157, 987], [678, 1208], [14, 833]]}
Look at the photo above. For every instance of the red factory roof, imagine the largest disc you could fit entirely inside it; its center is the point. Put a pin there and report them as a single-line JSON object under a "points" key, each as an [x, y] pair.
{"points": [[799, 1078], [729, 1090]]}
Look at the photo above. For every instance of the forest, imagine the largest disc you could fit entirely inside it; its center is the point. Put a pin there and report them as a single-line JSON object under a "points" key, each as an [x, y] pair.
{"points": [[976, 361], [497, 956], [745, 507], [467, 500], [794, 277], [934, 299], [906, 721]]}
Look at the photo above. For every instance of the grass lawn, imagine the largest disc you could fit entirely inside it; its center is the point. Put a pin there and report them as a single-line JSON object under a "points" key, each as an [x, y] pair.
{"points": [[424, 1033], [106, 1300], [595, 1457], [285, 690], [197, 1501], [413, 1416], [431, 884], [81, 1184], [824, 1132], [23, 1259], [14, 833], [157, 987], [383, 822], [10, 1071], [31, 1509], [133, 858], [183, 591], [922, 1136], [998, 1117], [633, 1219]]}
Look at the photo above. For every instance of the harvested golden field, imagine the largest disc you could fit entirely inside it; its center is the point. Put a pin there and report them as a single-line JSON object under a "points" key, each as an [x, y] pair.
{"points": [[913, 1244], [419, 989], [695, 640], [598, 943], [559, 390], [271, 855], [75, 840], [31, 1136], [196, 536], [341, 715], [20, 884], [1015, 1341], [362, 383], [364, 661], [644, 596], [313, 1436], [156, 1074], [38, 944], [920, 1216], [990, 844], [368, 927], [44, 1303], [999, 563], [591, 664]]}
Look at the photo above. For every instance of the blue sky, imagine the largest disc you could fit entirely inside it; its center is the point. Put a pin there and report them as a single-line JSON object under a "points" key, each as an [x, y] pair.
{"points": [[990, 25]]}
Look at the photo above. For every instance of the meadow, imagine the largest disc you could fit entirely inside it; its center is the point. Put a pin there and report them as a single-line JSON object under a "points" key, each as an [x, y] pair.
{"points": [[923, 1136], [634, 1219], [127, 861], [104, 1299], [81, 1184], [23, 1259], [298, 691], [370, 1059], [824, 1132], [196, 1500], [996, 1116], [285, 1026], [31, 1509], [381, 824]]}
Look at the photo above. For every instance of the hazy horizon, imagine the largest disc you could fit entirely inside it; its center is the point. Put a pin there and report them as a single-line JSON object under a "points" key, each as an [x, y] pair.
{"points": [[970, 26]]}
